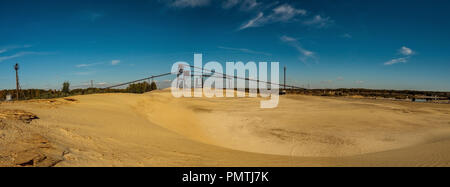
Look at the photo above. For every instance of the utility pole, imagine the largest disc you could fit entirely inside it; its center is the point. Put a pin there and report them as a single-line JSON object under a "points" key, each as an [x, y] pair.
{"points": [[284, 77], [201, 76], [92, 84], [16, 67]]}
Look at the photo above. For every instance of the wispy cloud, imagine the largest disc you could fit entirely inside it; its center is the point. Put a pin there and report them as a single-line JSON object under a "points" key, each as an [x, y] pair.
{"points": [[266, 13], [319, 21], [115, 62], [83, 65], [255, 22], [20, 54], [12, 47], [406, 52], [286, 12], [188, 3], [288, 39], [396, 60], [305, 54], [87, 65], [112, 62], [245, 50], [249, 5], [244, 5], [281, 13]]}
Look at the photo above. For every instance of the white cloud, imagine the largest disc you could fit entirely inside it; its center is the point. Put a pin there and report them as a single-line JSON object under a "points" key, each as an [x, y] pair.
{"points": [[82, 65], [249, 4], [305, 54], [115, 62], [406, 51], [86, 65], [245, 5], [19, 54], [395, 61], [255, 22], [359, 82], [189, 3], [319, 21], [244, 50], [282, 13], [288, 39], [286, 12]]}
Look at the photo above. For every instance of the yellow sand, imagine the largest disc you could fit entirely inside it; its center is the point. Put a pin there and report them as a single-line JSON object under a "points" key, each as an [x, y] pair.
{"points": [[156, 129]]}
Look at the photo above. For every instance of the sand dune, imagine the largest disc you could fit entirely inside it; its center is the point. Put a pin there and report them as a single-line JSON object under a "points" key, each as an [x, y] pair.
{"points": [[155, 129]]}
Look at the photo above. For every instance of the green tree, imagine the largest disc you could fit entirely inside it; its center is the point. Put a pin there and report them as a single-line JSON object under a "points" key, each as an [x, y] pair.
{"points": [[65, 88], [139, 87], [153, 86]]}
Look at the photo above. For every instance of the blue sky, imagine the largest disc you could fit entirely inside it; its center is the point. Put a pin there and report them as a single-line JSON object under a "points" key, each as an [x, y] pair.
{"points": [[382, 44]]}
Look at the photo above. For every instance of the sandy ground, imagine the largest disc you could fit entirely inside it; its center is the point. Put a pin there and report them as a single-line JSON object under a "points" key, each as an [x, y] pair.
{"points": [[155, 129]]}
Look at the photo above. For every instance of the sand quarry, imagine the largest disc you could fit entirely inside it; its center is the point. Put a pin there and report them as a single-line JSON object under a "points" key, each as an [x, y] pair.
{"points": [[156, 129]]}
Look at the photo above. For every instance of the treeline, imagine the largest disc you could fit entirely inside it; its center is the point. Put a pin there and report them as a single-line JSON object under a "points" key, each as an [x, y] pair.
{"points": [[65, 91], [141, 87], [397, 94]]}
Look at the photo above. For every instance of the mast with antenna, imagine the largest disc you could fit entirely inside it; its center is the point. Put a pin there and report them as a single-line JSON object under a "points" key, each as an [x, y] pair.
{"points": [[16, 67], [284, 77]]}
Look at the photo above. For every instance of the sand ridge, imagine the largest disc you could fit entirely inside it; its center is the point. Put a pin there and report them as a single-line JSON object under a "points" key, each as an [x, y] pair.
{"points": [[155, 129]]}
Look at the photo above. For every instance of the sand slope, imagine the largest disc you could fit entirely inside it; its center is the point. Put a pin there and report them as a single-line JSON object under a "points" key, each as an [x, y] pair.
{"points": [[155, 129]]}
